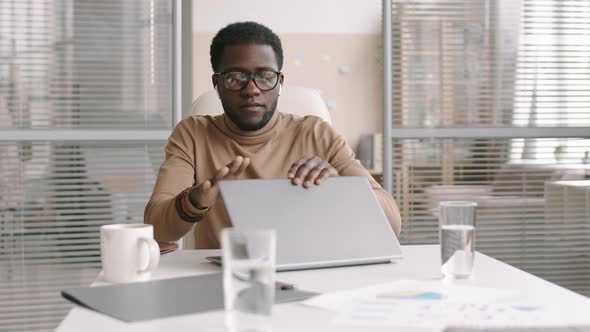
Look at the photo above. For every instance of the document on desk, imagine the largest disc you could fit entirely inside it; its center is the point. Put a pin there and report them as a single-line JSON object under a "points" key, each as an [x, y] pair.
{"points": [[403, 290], [433, 305], [441, 314]]}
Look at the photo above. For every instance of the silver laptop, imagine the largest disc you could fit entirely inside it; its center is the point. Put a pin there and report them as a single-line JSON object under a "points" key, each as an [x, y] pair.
{"points": [[337, 223]]}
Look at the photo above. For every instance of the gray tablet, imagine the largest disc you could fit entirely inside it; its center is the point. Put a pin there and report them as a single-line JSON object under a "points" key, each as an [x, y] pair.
{"points": [[156, 299]]}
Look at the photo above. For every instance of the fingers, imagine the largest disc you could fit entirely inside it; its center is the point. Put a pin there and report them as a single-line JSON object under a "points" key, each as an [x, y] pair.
{"points": [[242, 168], [205, 194], [235, 165], [313, 174], [312, 170], [219, 175], [234, 168], [319, 174], [205, 187], [326, 173], [208, 194], [295, 167], [238, 166], [302, 167]]}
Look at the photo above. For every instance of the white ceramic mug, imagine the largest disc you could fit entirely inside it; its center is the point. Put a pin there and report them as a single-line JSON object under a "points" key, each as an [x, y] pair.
{"points": [[128, 252]]}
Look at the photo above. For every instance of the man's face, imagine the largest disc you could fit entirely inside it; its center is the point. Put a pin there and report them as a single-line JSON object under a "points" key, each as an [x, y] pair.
{"points": [[251, 107]]}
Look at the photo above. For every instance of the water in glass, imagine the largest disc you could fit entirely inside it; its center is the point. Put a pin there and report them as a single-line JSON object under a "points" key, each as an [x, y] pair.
{"points": [[249, 295], [457, 250]]}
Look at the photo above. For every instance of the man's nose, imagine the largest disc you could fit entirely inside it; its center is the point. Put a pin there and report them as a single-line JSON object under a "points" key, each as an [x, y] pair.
{"points": [[250, 89]]}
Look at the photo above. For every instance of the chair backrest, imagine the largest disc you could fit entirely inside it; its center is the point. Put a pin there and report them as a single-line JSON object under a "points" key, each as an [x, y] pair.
{"points": [[293, 99]]}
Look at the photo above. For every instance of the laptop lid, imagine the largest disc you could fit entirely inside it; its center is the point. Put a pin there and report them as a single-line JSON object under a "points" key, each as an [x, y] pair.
{"points": [[336, 223]]}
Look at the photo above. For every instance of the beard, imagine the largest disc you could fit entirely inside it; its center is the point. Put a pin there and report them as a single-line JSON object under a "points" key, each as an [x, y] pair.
{"points": [[235, 118]]}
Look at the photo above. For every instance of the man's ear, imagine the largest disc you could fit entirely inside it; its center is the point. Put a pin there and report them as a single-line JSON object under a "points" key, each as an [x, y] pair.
{"points": [[281, 80], [217, 91], [214, 81]]}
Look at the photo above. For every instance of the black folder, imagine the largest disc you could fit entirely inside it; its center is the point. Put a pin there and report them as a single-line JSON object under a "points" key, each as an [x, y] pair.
{"points": [[155, 299]]}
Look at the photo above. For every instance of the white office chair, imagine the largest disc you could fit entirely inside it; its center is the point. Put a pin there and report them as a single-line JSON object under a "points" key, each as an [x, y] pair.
{"points": [[295, 100]]}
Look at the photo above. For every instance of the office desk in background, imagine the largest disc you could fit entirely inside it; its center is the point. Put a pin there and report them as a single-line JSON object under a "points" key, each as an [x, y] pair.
{"points": [[419, 263]]}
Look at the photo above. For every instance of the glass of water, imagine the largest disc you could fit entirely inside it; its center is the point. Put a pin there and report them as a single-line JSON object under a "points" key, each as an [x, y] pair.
{"points": [[248, 278], [457, 238]]}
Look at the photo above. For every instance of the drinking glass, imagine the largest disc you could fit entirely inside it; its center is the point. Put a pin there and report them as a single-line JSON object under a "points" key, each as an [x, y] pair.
{"points": [[248, 278], [457, 238]]}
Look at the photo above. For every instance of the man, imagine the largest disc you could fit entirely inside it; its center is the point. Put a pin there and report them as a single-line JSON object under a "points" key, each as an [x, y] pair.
{"points": [[251, 140]]}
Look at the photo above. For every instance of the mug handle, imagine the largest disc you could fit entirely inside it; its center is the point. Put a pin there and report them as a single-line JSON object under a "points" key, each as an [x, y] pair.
{"points": [[154, 254]]}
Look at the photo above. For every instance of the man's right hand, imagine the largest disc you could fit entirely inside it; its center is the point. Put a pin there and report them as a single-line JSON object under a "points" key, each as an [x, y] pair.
{"points": [[205, 193]]}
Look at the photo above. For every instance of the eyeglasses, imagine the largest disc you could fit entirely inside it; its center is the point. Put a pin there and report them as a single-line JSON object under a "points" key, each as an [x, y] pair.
{"points": [[263, 79]]}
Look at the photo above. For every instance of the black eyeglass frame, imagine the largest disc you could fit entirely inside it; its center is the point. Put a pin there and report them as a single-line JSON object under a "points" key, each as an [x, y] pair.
{"points": [[250, 77]]}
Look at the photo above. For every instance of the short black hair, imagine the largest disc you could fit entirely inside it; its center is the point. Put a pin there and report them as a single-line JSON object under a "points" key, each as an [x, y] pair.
{"points": [[240, 33]]}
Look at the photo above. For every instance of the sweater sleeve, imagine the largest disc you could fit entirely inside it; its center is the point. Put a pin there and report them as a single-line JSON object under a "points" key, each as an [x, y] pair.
{"points": [[176, 174], [343, 159]]}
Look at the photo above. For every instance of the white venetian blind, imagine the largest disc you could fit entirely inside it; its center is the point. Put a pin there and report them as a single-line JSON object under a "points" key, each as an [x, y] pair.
{"points": [[85, 98], [491, 103], [86, 64]]}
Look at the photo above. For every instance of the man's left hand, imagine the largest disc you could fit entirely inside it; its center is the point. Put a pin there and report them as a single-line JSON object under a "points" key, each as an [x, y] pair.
{"points": [[311, 170]]}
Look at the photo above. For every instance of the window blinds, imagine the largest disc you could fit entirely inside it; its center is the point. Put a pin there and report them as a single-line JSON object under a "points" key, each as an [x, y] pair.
{"points": [[490, 103], [54, 202], [86, 64], [85, 104]]}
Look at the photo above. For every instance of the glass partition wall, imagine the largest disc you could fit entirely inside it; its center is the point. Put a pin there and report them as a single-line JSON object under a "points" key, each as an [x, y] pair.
{"points": [[490, 101], [86, 106]]}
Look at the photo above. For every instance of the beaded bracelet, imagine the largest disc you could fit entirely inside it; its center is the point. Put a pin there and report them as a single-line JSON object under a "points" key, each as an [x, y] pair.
{"points": [[181, 213]]}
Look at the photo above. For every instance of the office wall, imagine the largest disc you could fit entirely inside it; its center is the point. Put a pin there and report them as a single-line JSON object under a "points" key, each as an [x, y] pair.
{"points": [[329, 45]]}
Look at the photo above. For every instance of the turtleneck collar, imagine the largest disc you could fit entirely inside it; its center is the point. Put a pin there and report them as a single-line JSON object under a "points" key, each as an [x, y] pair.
{"points": [[261, 135]]}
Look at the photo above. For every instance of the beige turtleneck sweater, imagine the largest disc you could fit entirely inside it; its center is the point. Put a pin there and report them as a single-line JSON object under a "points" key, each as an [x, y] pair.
{"points": [[200, 145]]}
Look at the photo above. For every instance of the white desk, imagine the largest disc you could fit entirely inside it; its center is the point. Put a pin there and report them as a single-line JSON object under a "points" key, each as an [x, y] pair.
{"points": [[420, 263]]}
